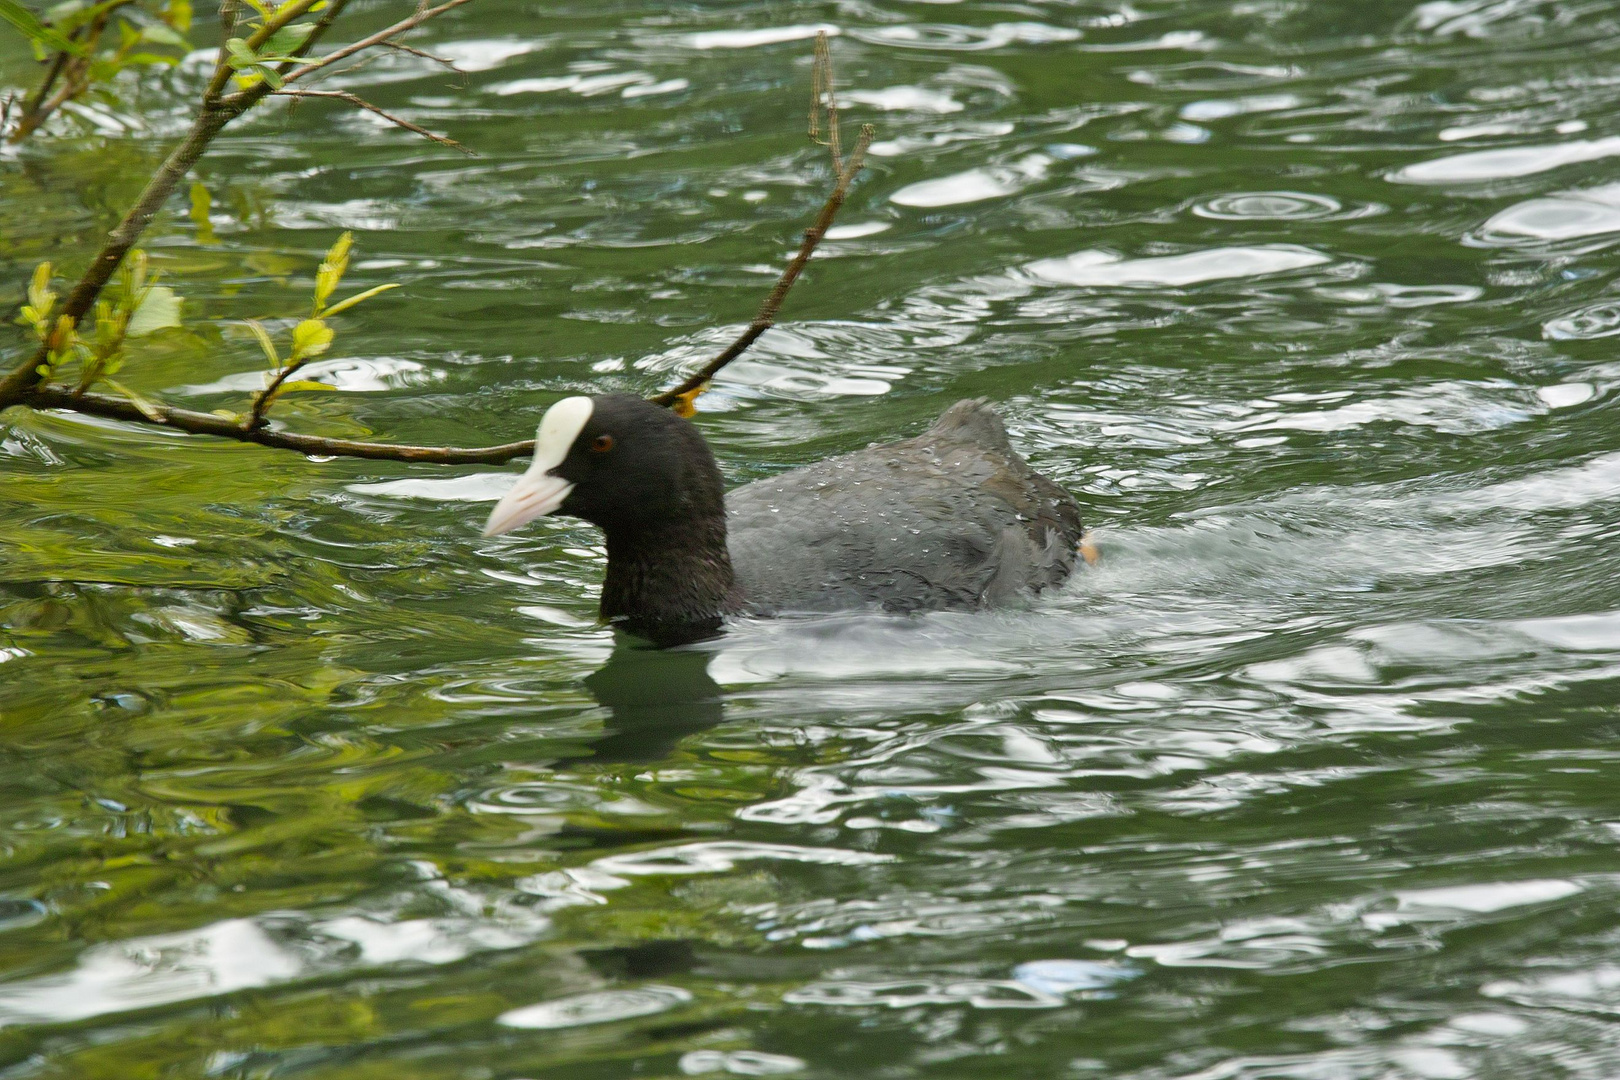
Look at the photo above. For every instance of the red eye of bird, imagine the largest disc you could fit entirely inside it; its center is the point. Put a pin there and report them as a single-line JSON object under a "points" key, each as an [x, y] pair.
{"points": [[601, 444]]}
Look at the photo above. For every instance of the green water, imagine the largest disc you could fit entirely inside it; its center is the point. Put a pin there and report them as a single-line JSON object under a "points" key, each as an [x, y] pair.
{"points": [[1313, 777]]}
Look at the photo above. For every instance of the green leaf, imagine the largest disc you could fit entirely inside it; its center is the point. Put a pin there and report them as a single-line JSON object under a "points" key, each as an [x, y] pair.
{"points": [[63, 336], [288, 38], [159, 310], [158, 34], [148, 408], [311, 338], [331, 270], [265, 343], [202, 204], [132, 276], [178, 15], [26, 21], [80, 15], [237, 49], [359, 298], [39, 289], [337, 256], [295, 385]]}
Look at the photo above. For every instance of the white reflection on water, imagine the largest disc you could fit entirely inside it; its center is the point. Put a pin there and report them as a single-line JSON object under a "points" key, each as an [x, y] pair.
{"points": [[1480, 165], [241, 954], [349, 374], [601, 1007], [748, 39], [905, 99], [1589, 212], [475, 487], [1105, 268], [952, 37], [739, 1063], [979, 993], [974, 185]]}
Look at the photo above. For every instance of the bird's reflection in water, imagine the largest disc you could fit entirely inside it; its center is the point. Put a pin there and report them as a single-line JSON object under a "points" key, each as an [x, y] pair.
{"points": [[656, 697]]}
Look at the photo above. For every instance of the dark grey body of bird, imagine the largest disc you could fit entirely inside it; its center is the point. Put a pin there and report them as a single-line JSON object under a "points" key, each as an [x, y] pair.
{"points": [[953, 519]]}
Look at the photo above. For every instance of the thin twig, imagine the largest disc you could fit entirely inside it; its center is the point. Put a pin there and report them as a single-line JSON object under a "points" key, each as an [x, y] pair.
{"points": [[44, 91], [257, 417], [361, 103], [424, 54], [229, 12], [33, 119], [773, 302], [823, 96], [375, 39], [224, 427], [76, 68]]}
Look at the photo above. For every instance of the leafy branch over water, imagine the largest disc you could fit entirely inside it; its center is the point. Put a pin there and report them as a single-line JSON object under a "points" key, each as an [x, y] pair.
{"points": [[74, 42], [263, 54]]}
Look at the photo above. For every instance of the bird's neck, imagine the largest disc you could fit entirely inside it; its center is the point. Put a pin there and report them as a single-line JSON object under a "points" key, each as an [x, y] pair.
{"points": [[671, 582]]}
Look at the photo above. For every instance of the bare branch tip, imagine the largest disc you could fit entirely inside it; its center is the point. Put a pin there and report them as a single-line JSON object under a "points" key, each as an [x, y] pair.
{"points": [[682, 396], [400, 46], [361, 103]]}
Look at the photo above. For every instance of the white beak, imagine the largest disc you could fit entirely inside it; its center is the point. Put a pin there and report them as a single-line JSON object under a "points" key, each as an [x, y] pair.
{"points": [[533, 497], [539, 492]]}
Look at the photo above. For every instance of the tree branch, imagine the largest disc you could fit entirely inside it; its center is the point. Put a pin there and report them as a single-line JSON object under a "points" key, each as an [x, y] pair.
{"points": [[201, 423], [361, 103], [773, 302], [208, 123], [252, 94], [23, 385], [211, 118], [378, 38], [424, 54], [824, 97], [261, 401], [45, 103]]}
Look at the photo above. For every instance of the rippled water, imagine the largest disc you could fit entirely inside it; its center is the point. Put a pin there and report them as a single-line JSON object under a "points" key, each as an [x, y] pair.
{"points": [[1312, 304]]}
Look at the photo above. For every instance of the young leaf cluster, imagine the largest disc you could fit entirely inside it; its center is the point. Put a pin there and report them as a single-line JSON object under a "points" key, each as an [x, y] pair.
{"points": [[312, 336], [254, 64], [137, 307], [85, 44]]}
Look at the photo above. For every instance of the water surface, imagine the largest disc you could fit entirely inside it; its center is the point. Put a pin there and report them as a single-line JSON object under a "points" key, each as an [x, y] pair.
{"points": [[1311, 305]]}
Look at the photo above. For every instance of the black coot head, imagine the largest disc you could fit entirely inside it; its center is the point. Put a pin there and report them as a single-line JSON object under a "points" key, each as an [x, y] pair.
{"points": [[618, 461]]}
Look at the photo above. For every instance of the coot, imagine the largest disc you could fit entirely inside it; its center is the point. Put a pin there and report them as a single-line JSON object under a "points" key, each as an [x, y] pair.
{"points": [[951, 519]]}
